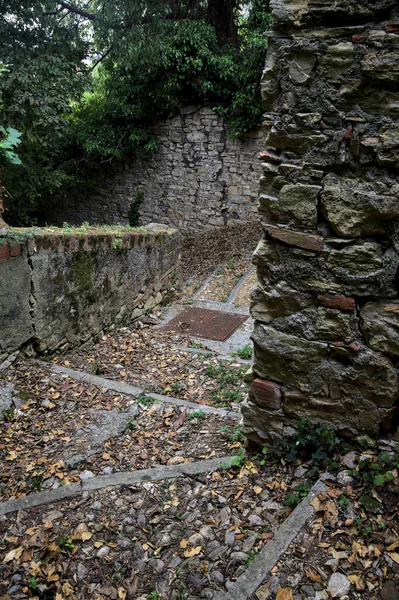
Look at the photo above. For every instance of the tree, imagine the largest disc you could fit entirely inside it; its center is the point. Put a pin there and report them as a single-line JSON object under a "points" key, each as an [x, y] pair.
{"points": [[9, 140], [89, 78]]}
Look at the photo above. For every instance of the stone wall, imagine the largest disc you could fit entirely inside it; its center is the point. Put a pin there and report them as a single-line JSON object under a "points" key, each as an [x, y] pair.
{"points": [[59, 290], [326, 307], [197, 178]]}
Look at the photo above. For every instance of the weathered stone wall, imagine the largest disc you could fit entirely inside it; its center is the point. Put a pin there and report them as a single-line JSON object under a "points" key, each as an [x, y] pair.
{"points": [[197, 178], [60, 290], [326, 307]]}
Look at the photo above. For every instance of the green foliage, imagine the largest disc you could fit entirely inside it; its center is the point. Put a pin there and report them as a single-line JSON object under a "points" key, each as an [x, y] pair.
{"points": [[376, 471], [9, 137], [9, 140], [233, 434], [294, 498], [245, 352], [132, 424], [313, 441], [197, 414], [86, 87], [46, 71], [66, 543], [147, 400], [134, 210], [239, 460], [33, 583], [117, 244], [9, 415]]}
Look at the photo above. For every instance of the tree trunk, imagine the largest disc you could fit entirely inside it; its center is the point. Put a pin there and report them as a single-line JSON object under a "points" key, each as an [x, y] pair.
{"points": [[221, 16]]}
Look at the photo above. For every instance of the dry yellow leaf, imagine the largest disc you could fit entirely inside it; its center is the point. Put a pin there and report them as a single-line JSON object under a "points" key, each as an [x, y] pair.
{"points": [[393, 546], [284, 594], [313, 576], [183, 544], [193, 552], [257, 489], [11, 456], [122, 593], [394, 556], [13, 554]]}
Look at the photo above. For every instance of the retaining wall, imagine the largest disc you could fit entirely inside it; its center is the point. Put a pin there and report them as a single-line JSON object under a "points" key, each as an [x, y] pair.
{"points": [[59, 290], [326, 307], [197, 178]]}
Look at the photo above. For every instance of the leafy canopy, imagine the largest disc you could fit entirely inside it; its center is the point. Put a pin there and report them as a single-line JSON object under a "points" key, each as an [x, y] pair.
{"points": [[87, 80]]}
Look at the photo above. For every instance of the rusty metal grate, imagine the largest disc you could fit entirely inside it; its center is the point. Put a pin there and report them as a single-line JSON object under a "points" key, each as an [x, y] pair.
{"points": [[205, 323]]}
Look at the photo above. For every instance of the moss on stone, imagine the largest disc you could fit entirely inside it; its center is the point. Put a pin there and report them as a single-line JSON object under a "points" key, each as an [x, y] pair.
{"points": [[82, 272]]}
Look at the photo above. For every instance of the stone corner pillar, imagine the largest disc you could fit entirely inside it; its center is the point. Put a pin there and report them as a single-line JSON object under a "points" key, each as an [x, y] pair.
{"points": [[326, 306]]}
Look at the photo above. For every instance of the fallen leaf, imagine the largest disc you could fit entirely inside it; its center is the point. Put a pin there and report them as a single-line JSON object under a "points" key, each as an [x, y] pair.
{"points": [[284, 594], [193, 552], [13, 554], [313, 576]]}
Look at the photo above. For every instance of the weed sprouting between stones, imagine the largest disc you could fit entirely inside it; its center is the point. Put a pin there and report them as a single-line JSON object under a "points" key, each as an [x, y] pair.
{"points": [[245, 352], [198, 414]]}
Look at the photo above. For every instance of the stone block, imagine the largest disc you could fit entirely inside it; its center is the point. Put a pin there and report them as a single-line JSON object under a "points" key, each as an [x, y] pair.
{"points": [[285, 358], [338, 59], [295, 205], [333, 325], [272, 301], [301, 66], [354, 208], [15, 250], [338, 301], [4, 252], [361, 258], [299, 239], [379, 321], [261, 426], [266, 394]]}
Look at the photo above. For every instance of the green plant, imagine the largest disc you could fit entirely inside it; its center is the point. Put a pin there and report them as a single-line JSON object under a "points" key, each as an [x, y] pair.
{"points": [[67, 227], [97, 369], [235, 435], [33, 583], [117, 244], [343, 501], [197, 414], [134, 209], [238, 460], [132, 423], [176, 387], [312, 441], [227, 381], [154, 595], [376, 471], [66, 543], [245, 352], [264, 453], [147, 400], [36, 480], [252, 554], [302, 490], [9, 414]]}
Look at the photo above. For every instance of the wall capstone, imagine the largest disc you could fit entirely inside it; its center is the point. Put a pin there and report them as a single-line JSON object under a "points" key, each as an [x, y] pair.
{"points": [[326, 307], [197, 178]]}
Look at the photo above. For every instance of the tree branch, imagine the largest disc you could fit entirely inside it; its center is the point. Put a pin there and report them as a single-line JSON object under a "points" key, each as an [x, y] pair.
{"points": [[100, 59], [77, 11]]}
